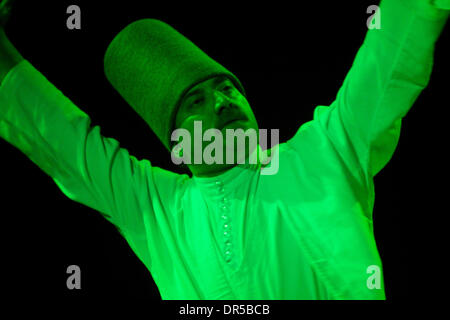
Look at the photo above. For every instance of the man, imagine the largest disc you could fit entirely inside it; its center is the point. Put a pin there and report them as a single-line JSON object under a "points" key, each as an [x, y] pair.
{"points": [[230, 232]]}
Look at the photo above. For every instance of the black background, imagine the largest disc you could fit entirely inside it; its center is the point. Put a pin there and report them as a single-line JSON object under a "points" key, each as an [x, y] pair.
{"points": [[289, 58]]}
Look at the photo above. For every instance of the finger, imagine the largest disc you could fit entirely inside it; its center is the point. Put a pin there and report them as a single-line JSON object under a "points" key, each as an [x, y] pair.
{"points": [[5, 9], [6, 5]]}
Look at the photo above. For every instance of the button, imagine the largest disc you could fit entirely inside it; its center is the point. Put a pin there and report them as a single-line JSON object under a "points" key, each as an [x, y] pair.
{"points": [[224, 200], [226, 234], [228, 256], [224, 207], [226, 226], [227, 244], [225, 218]]}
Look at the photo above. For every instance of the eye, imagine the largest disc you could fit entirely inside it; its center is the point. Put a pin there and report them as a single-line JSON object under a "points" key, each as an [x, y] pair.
{"points": [[227, 88], [197, 101]]}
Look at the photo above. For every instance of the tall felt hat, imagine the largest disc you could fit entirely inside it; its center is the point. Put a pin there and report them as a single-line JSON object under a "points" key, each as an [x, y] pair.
{"points": [[152, 66]]}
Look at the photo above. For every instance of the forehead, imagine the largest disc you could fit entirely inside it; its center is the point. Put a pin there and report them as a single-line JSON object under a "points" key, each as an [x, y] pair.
{"points": [[212, 82]]}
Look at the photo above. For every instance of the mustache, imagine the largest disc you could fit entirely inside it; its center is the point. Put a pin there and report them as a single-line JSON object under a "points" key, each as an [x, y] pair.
{"points": [[231, 114]]}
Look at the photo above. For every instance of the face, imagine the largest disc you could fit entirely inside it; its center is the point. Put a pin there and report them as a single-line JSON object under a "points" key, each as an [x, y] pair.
{"points": [[218, 104]]}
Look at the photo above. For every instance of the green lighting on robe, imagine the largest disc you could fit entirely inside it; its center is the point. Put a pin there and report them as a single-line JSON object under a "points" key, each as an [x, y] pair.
{"points": [[303, 233]]}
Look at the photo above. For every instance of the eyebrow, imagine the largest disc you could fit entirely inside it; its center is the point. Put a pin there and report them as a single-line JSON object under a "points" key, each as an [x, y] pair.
{"points": [[217, 80]]}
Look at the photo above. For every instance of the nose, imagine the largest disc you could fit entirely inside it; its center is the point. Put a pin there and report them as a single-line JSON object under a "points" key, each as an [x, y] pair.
{"points": [[221, 102]]}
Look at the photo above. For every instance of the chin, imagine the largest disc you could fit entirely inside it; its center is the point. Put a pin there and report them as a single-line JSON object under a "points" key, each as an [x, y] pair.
{"points": [[239, 124]]}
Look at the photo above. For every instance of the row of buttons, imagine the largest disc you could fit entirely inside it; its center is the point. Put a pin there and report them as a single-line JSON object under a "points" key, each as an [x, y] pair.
{"points": [[226, 223]]}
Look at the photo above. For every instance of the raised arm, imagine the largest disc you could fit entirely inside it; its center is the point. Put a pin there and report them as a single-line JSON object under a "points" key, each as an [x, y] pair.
{"points": [[58, 137], [389, 72]]}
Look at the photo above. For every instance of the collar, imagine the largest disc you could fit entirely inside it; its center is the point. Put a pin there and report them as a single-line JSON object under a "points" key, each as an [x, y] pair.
{"points": [[226, 182]]}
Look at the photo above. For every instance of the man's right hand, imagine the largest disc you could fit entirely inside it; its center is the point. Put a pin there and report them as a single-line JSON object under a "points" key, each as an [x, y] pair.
{"points": [[9, 56], [5, 11]]}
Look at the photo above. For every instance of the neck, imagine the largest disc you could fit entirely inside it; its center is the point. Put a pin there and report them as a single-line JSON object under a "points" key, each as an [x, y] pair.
{"points": [[210, 170]]}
